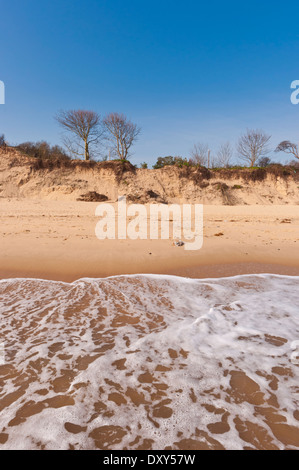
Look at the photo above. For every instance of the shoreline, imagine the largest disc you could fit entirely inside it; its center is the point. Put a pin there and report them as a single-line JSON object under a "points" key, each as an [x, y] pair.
{"points": [[212, 271], [88, 356]]}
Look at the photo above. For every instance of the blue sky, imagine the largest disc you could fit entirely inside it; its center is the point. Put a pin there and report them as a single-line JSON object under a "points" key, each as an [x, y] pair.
{"points": [[185, 71]]}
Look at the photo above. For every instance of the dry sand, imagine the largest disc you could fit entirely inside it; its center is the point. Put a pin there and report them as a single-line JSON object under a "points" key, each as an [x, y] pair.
{"points": [[56, 240]]}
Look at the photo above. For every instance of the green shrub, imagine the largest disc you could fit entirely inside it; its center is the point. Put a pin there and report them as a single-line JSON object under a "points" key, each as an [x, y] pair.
{"points": [[171, 161]]}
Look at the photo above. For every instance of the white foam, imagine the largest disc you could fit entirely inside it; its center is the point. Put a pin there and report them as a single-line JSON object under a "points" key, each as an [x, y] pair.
{"points": [[201, 332]]}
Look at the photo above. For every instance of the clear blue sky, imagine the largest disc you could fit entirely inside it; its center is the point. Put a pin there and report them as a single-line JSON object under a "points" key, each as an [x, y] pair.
{"points": [[185, 71]]}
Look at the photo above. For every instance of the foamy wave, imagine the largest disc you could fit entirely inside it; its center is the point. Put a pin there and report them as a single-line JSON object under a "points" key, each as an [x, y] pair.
{"points": [[148, 361]]}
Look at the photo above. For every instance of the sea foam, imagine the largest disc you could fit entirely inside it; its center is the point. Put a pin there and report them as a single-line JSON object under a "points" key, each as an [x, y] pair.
{"points": [[150, 361]]}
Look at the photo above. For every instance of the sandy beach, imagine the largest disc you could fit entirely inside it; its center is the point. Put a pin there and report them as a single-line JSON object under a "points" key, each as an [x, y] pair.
{"points": [[90, 349], [82, 355], [149, 236], [56, 240]]}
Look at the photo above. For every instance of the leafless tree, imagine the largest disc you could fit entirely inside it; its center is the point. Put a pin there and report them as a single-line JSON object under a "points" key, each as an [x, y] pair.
{"points": [[253, 145], [200, 154], [121, 133], [83, 132], [288, 147], [224, 155]]}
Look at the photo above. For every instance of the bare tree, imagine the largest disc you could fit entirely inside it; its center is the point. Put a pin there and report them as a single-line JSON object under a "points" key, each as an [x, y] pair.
{"points": [[83, 132], [253, 145], [224, 155], [121, 133], [288, 147], [200, 154]]}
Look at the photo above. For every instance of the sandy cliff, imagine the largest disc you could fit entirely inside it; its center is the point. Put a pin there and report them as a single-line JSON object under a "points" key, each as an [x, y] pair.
{"points": [[24, 177]]}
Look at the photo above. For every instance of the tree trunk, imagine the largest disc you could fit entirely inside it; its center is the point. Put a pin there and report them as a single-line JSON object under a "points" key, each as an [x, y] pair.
{"points": [[86, 152]]}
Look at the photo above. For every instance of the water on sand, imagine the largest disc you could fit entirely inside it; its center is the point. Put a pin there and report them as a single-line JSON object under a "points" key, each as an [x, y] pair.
{"points": [[150, 362]]}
